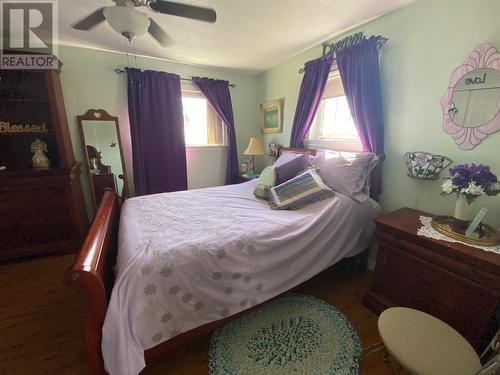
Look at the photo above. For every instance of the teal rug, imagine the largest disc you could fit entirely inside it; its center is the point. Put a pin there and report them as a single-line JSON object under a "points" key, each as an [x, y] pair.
{"points": [[295, 334]]}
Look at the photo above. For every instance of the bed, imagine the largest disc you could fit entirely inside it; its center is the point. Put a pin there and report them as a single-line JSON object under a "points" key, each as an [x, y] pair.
{"points": [[190, 261]]}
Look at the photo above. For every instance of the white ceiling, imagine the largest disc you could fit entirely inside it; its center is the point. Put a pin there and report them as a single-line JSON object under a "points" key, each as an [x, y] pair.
{"points": [[249, 35]]}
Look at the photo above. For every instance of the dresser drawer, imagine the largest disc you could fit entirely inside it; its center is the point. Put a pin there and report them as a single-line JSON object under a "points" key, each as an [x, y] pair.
{"points": [[413, 282], [30, 227], [434, 255], [452, 281]]}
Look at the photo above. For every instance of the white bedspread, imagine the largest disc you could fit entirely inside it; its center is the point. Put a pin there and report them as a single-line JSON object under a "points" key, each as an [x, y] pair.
{"points": [[189, 258]]}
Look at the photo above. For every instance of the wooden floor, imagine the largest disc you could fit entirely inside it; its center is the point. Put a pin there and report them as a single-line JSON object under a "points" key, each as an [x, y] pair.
{"points": [[41, 320]]}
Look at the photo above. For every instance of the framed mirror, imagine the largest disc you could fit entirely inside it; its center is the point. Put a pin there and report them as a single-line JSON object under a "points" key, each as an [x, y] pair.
{"points": [[471, 103], [103, 154]]}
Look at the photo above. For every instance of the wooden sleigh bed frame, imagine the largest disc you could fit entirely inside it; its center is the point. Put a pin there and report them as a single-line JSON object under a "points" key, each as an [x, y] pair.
{"points": [[93, 272]]}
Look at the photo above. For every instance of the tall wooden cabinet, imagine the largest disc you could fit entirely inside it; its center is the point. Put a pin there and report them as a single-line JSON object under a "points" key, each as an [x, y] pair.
{"points": [[41, 211]]}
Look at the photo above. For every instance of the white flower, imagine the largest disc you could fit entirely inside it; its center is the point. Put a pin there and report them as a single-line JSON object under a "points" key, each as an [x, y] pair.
{"points": [[495, 186], [447, 186], [474, 189]]}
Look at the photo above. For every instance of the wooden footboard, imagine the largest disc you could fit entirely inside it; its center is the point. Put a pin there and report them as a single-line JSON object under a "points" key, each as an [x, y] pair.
{"points": [[93, 272]]}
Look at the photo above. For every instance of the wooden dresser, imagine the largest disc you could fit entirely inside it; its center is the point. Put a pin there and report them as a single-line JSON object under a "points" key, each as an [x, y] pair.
{"points": [[101, 182], [41, 211], [457, 283]]}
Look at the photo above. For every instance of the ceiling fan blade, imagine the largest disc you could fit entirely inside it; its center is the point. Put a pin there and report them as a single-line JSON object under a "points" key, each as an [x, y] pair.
{"points": [[159, 34], [184, 10], [91, 21]]}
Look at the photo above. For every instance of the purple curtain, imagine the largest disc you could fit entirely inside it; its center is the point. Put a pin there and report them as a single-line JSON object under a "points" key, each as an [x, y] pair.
{"points": [[359, 70], [219, 97], [315, 77], [157, 131]]}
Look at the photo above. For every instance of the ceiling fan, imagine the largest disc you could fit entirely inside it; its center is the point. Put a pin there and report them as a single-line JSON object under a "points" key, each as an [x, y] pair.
{"points": [[131, 23]]}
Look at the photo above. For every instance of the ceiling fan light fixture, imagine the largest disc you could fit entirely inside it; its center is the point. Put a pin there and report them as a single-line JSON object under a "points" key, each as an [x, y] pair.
{"points": [[127, 21]]}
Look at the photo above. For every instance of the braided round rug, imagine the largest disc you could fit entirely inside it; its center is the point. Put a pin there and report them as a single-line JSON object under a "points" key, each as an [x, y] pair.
{"points": [[295, 334]]}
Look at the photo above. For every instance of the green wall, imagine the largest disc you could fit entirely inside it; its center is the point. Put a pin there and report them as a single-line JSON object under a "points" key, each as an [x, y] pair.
{"points": [[427, 40], [88, 81]]}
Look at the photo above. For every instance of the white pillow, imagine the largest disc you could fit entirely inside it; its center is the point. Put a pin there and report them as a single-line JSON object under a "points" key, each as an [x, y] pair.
{"points": [[348, 176]]}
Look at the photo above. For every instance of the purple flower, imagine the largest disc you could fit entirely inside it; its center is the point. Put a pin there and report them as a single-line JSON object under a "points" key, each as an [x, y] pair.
{"points": [[463, 174]]}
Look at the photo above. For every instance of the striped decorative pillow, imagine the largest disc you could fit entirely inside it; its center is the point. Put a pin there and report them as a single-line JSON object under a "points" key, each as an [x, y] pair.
{"points": [[305, 188]]}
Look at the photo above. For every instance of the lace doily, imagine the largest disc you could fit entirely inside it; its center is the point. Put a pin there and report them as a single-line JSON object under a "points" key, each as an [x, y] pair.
{"points": [[428, 231]]}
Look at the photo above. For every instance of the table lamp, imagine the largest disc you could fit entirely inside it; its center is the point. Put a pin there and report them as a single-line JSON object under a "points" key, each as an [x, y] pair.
{"points": [[254, 148]]}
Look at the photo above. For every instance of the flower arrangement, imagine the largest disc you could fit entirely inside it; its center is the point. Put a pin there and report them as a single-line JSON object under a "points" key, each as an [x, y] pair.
{"points": [[471, 181]]}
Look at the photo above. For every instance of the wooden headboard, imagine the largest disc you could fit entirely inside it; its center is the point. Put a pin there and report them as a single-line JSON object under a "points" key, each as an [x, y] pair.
{"points": [[375, 178], [294, 150]]}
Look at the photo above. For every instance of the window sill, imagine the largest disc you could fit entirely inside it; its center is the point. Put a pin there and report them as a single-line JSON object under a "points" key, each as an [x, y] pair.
{"points": [[334, 144], [206, 147]]}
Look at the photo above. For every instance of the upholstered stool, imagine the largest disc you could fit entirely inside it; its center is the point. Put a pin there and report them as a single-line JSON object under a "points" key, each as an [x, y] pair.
{"points": [[425, 345]]}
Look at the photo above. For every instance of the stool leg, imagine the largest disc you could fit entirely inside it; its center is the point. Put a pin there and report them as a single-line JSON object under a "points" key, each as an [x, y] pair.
{"points": [[372, 349], [385, 358], [388, 359]]}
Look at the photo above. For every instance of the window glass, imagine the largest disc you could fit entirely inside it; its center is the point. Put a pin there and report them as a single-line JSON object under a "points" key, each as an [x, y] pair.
{"points": [[195, 120], [202, 125], [333, 120]]}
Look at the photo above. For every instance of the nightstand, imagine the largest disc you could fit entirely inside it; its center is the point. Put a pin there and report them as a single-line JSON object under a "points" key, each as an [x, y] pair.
{"points": [[456, 283], [244, 177]]}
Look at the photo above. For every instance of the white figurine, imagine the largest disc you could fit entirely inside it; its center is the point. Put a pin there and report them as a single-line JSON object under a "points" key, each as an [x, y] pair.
{"points": [[40, 161]]}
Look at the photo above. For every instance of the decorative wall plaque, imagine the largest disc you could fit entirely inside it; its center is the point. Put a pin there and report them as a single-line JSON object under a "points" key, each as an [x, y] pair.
{"points": [[471, 103]]}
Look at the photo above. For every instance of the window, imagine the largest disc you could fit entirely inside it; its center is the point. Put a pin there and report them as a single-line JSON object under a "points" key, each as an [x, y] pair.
{"points": [[202, 125], [333, 126]]}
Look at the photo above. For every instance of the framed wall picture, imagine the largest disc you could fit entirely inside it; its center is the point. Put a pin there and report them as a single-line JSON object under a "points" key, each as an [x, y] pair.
{"points": [[271, 116]]}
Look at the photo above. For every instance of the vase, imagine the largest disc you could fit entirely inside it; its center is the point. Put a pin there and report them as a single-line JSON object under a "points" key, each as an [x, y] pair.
{"points": [[464, 212]]}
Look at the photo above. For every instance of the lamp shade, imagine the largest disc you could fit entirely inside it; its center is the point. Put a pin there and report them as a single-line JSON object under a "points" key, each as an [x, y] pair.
{"points": [[254, 147], [127, 21]]}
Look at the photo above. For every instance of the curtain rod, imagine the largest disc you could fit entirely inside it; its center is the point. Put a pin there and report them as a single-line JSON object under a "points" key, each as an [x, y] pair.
{"points": [[350, 40], [120, 71]]}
